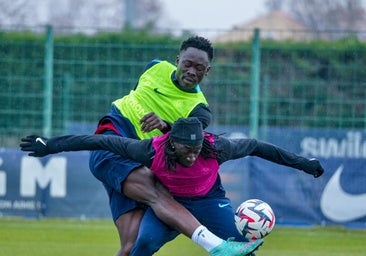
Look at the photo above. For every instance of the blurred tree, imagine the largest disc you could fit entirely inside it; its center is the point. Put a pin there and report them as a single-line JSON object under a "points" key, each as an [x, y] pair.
{"points": [[274, 5], [14, 12], [148, 12], [79, 14], [323, 14]]}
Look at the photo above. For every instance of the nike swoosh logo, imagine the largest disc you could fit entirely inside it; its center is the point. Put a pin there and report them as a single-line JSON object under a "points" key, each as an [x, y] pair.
{"points": [[223, 205], [338, 205], [159, 92], [41, 141]]}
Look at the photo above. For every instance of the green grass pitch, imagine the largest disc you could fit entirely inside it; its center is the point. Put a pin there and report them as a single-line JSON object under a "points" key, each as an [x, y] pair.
{"points": [[41, 237]]}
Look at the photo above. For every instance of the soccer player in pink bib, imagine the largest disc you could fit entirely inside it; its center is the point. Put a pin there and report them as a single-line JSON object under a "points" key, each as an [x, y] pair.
{"points": [[186, 161]]}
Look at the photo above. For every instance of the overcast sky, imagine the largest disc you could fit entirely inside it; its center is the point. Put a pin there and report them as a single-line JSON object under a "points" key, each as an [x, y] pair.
{"points": [[211, 14]]}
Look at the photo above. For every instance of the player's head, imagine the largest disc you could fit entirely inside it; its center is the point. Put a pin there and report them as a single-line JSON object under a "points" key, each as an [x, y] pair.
{"points": [[187, 142], [193, 61], [200, 43], [186, 138]]}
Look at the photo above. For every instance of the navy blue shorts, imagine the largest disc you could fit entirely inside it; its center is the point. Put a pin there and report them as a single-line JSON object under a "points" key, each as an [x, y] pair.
{"points": [[112, 169]]}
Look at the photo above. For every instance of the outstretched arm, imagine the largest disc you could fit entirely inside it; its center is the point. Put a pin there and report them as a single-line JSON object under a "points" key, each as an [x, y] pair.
{"points": [[137, 150], [238, 148]]}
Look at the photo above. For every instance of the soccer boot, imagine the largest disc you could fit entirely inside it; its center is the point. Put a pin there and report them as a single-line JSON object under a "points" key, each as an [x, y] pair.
{"points": [[232, 248]]}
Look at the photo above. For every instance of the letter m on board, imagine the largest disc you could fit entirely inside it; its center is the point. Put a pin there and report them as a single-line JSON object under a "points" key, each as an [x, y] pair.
{"points": [[34, 173]]}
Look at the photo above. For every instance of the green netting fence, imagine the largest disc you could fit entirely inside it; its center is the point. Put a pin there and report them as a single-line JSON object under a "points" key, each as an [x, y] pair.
{"points": [[56, 83]]}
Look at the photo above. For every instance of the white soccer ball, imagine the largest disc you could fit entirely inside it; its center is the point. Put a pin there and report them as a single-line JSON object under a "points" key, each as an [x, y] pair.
{"points": [[254, 219]]}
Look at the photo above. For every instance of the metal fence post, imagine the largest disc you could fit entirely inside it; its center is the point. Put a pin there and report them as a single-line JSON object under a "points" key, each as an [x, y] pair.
{"points": [[265, 107], [254, 86], [66, 99], [48, 83]]}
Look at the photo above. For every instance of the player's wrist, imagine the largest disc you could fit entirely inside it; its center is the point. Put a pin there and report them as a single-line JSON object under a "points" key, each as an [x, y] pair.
{"points": [[166, 127]]}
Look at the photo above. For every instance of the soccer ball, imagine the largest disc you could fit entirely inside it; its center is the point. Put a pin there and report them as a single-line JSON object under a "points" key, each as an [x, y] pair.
{"points": [[254, 219]]}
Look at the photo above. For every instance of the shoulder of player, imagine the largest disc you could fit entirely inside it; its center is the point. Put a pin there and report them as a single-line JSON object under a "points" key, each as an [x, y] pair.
{"points": [[153, 63]]}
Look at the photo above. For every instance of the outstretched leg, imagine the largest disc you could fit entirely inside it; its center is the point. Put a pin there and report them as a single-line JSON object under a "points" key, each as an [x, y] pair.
{"points": [[142, 186], [127, 186]]}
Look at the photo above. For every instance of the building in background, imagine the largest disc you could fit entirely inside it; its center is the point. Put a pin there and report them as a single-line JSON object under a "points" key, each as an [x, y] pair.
{"points": [[275, 25]]}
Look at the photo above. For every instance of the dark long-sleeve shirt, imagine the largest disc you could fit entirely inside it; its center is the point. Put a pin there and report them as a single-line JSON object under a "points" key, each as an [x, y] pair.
{"points": [[196, 180], [143, 152]]}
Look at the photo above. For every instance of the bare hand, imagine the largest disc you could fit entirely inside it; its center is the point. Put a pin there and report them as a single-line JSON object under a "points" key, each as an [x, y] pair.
{"points": [[151, 121]]}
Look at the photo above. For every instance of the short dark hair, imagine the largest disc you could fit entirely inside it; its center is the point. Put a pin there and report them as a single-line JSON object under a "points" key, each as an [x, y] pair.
{"points": [[198, 42]]}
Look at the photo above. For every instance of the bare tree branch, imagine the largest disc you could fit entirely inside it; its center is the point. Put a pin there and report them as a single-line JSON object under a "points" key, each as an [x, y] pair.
{"points": [[14, 12], [274, 5], [323, 14], [78, 13]]}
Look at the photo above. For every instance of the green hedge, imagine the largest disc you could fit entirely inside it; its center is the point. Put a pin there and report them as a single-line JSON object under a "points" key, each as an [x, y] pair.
{"points": [[310, 84]]}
